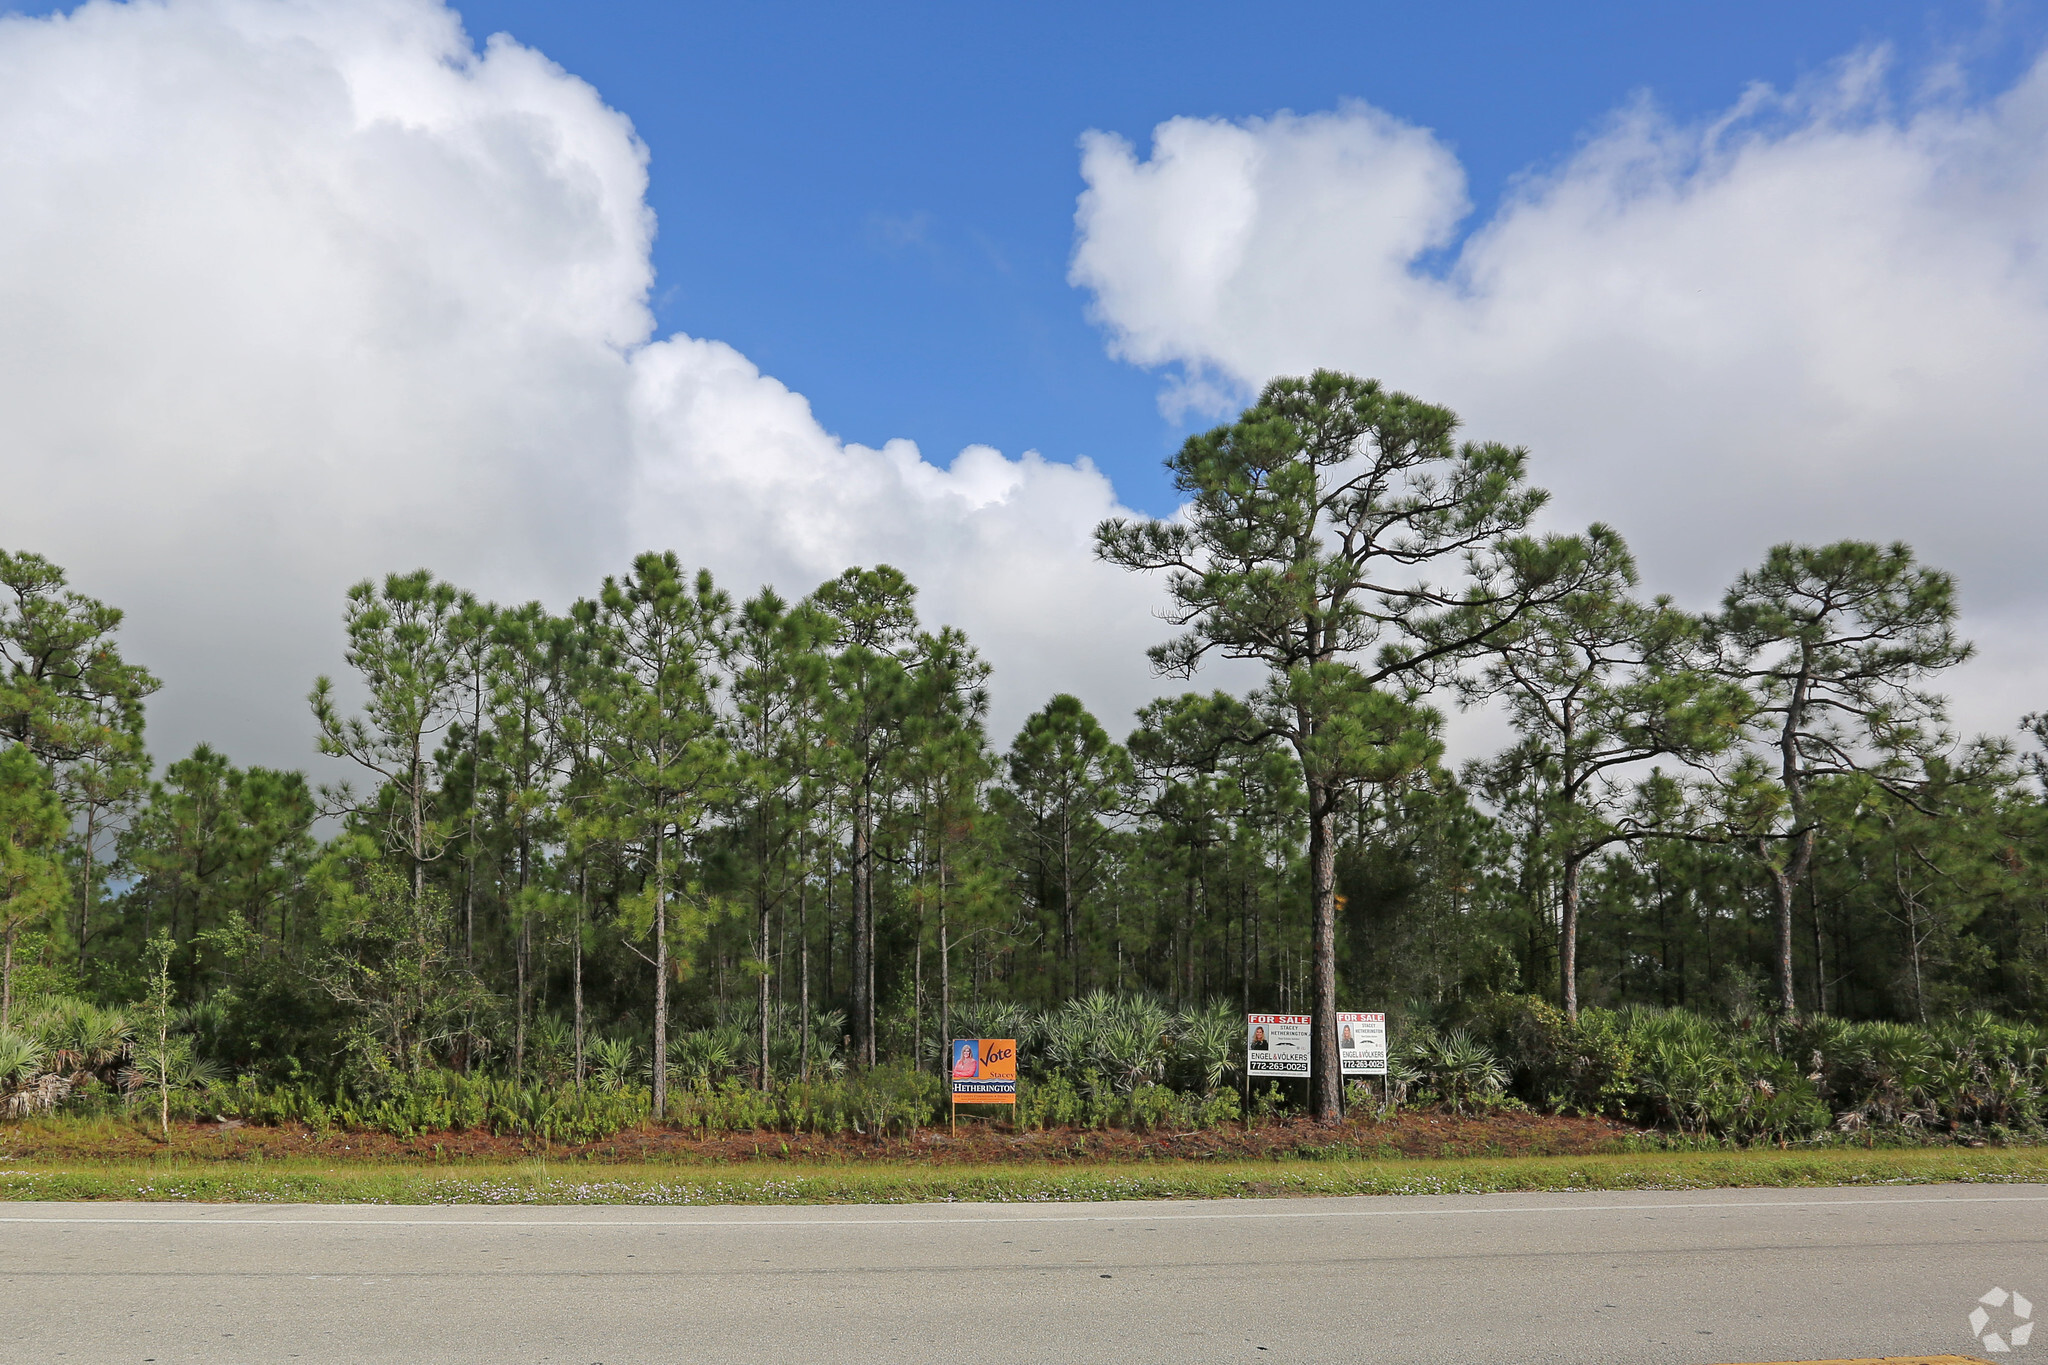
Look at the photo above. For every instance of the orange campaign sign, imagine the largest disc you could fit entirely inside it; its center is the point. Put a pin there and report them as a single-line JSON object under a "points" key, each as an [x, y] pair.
{"points": [[984, 1071]]}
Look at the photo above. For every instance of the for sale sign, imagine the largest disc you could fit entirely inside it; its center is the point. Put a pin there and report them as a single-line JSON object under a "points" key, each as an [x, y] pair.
{"points": [[984, 1071], [1277, 1044], [1362, 1044]]}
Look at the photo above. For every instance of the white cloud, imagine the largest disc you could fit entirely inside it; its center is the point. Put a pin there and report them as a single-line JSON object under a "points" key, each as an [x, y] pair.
{"points": [[1000, 547], [293, 294], [1818, 316]]}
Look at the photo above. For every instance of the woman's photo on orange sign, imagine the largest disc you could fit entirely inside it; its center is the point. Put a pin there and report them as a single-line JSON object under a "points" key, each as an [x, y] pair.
{"points": [[966, 1061]]}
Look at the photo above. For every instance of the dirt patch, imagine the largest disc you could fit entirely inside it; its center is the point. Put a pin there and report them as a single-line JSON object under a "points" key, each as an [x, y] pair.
{"points": [[1411, 1134]]}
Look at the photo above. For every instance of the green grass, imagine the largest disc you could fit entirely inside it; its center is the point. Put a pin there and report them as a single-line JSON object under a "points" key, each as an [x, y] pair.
{"points": [[540, 1182]]}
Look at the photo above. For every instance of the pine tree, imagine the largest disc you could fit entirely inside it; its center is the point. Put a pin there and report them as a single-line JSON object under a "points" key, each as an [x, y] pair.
{"points": [[31, 875], [868, 681], [1597, 683], [1836, 644], [776, 731], [1068, 774], [402, 640], [1315, 525], [652, 708]]}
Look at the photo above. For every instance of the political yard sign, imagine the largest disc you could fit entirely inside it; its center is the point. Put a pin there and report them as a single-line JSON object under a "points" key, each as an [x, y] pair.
{"points": [[1277, 1044], [1362, 1044], [984, 1071]]}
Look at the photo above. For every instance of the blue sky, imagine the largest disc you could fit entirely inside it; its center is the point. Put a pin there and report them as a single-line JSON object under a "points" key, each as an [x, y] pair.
{"points": [[875, 203], [306, 291]]}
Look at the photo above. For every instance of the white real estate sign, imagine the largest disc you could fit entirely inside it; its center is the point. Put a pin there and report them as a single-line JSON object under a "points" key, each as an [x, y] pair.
{"points": [[1277, 1044], [1362, 1044]]}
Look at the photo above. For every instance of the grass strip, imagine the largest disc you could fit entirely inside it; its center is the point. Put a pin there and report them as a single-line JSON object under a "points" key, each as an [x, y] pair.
{"points": [[540, 1182]]}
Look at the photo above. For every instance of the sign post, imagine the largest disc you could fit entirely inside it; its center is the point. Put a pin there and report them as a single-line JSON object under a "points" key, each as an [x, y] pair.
{"points": [[1362, 1044], [984, 1072]]}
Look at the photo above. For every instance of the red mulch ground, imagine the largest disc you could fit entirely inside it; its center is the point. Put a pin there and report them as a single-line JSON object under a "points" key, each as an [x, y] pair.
{"points": [[1409, 1134]]}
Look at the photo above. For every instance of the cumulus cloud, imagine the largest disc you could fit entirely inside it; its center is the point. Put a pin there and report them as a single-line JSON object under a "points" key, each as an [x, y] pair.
{"points": [[293, 294], [998, 546], [1820, 315]]}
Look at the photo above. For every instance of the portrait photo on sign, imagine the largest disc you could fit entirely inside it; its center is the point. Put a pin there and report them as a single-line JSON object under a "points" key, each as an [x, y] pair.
{"points": [[966, 1058]]}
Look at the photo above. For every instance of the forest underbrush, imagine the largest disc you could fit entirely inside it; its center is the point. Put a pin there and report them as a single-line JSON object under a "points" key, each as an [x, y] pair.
{"points": [[1107, 1078]]}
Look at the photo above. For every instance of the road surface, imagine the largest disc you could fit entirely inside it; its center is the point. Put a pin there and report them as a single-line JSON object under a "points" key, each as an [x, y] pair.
{"points": [[1636, 1279]]}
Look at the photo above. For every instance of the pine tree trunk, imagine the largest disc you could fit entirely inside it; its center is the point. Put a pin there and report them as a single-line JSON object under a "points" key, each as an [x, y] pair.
{"points": [[863, 946], [660, 976], [1781, 892], [1067, 897], [1820, 964], [576, 969], [1911, 906], [831, 919], [917, 996], [85, 887], [1784, 887], [1568, 940], [163, 1060], [419, 829], [476, 766], [7, 974], [762, 1077], [945, 963], [1785, 882], [1919, 988], [1325, 1085], [525, 949], [1244, 942], [803, 996], [469, 901], [874, 1042], [519, 1022]]}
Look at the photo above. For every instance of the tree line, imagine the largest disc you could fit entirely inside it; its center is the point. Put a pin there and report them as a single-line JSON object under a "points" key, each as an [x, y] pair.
{"points": [[669, 807]]}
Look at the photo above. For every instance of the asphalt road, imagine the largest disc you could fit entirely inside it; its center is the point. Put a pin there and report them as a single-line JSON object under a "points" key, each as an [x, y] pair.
{"points": [[1685, 1278]]}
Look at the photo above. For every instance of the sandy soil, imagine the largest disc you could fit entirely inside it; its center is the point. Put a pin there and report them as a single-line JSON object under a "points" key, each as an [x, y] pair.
{"points": [[1409, 1134]]}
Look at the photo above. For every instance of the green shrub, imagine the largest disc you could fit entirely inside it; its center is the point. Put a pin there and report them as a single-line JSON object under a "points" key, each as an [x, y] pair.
{"points": [[1583, 1067], [1218, 1109], [1152, 1107], [81, 1039], [1121, 1042], [1051, 1103], [1458, 1069], [442, 1102], [1207, 1047], [608, 1063], [27, 1084], [1126, 1061]]}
